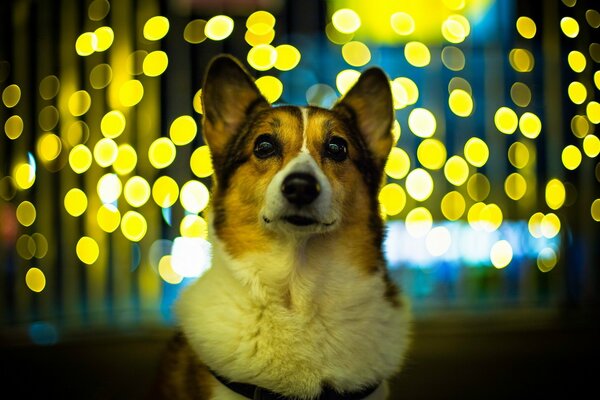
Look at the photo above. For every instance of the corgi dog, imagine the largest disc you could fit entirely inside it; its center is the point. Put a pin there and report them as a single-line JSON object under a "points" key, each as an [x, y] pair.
{"points": [[298, 303]]}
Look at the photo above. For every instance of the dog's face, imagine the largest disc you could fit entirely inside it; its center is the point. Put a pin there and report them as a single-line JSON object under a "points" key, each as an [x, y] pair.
{"points": [[293, 172]]}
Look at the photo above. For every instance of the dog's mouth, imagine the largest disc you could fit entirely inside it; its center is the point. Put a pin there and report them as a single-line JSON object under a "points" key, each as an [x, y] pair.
{"points": [[299, 220]]}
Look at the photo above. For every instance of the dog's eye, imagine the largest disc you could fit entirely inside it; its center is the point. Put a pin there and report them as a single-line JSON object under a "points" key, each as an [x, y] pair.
{"points": [[265, 146], [336, 149]]}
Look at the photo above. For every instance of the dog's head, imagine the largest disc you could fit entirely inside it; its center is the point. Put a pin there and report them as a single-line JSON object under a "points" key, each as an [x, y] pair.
{"points": [[291, 172]]}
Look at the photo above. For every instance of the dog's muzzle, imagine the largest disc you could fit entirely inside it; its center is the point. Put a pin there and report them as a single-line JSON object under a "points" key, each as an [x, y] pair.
{"points": [[300, 189]]}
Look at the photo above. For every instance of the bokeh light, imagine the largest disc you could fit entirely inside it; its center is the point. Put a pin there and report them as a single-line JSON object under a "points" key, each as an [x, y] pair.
{"points": [[156, 28], [419, 184], [456, 170], [571, 157], [476, 152], [346, 20], [87, 250], [526, 27], [398, 163], [134, 226], [161, 153], [501, 254], [431, 153], [418, 222], [136, 191], [417, 54], [422, 122], [555, 194], [108, 218], [506, 120], [105, 152], [453, 205], [35, 279], [219, 27], [155, 63], [75, 202], [165, 191], [26, 213], [194, 196]]}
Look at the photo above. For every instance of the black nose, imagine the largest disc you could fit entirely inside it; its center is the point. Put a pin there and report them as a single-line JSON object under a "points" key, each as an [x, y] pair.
{"points": [[300, 189]]}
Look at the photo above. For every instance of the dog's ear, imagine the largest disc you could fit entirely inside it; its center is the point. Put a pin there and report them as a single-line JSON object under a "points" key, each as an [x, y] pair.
{"points": [[369, 106], [229, 96]]}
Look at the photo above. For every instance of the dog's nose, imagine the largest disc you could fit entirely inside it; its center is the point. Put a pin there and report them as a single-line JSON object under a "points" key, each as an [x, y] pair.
{"points": [[300, 188]]}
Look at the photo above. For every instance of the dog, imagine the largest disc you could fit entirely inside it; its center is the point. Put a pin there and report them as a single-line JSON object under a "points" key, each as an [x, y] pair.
{"points": [[298, 303]]}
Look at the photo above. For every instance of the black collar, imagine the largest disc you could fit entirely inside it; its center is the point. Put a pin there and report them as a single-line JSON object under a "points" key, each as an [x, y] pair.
{"points": [[258, 393]]}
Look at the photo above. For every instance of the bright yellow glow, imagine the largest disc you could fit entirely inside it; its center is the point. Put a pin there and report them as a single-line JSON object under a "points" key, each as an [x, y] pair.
{"points": [[418, 222], [161, 153], [506, 120], [24, 175], [194, 31], [535, 225], [11, 95], [398, 163], [591, 145], [255, 40], [490, 217], [13, 127], [356, 53], [260, 22], [136, 191], [431, 153], [455, 28], [104, 37], [521, 60], [26, 213], [454, 4], [166, 272], [460, 103], [105, 152], [569, 27], [417, 54], [392, 199], [345, 79], [197, 101], [201, 162], [108, 218], [262, 57], [156, 28], [183, 130], [515, 186], [453, 58], [193, 226], [79, 103], [597, 79], [402, 23], [501, 254], [113, 124], [346, 20], [131, 93], [80, 158], [555, 194], [100, 76], [550, 225], [459, 83], [571, 157], [592, 110], [109, 188], [473, 215], [577, 92], [75, 202], [336, 36], [126, 159], [422, 122], [134, 226], [270, 87], [595, 210], [518, 155], [396, 131], [165, 191], [456, 170], [411, 89], [580, 126], [530, 125], [49, 147], [35, 280], [194, 196], [576, 61], [87, 250], [419, 184], [476, 152], [218, 27], [526, 27], [520, 94], [546, 259], [453, 205], [478, 187], [438, 241], [288, 57], [399, 95], [155, 63], [86, 44]]}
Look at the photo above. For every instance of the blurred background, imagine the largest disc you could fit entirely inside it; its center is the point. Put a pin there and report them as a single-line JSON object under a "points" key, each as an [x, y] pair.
{"points": [[492, 198]]}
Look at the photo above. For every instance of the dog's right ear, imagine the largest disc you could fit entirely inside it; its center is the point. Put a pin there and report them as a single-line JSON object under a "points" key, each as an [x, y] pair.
{"points": [[229, 96]]}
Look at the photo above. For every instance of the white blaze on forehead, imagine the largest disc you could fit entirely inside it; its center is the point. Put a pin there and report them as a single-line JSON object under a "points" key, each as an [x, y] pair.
{"points": [[304, 112]]}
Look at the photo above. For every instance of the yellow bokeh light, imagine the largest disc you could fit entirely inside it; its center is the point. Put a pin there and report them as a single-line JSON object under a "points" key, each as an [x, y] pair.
{"points": [[490, 217], [520, 94], [535, 225], [193, 226], [197, 102], [194, 31], [194, 196], [515, 186], [399, 95], [105, 152], [100, 76], [555, 194], [104, 37], [418, 222], [419, 184], [165, 191], [86, 43], [396, 131], [126, 159], [270, 87], [438, 241], [11, 95], [109, 188], [183, 130], [580, 126], [201, 162], [454, 4], [456, 170], [402, 23], [35, 280], [591, 145], [521, 60], [592, 110], [460, 102], [593, 18], [417, 54], [260, 22], [410, 88], [345, 79], [161, 153], [431, 153], [506, 120], [166, 271], [356, 53], [75, 202], [48, 118], [288, 57], [571, 157], [346, 20], [87, 250], [25, 247], [136, 191], [41, 245], [113, 124], [577, 92], [131, 93], [49, 87], [455, 28], [597, 79], [453, 205], [422, 122], [526, 27], [24, 175], [473, 215], [595, 210], [453, 58], [156, 28], [336, 36], [530, 125], [108, 218], [476, 152], [48, 147], [219, 27], [155, 63], [398, 163], [262, 57], [13, 127], [79, 103], [478, 187], [550, 225], [569, 26], [26, 213], [576, 61], [518, 155], [501, 254], [80, 158], [546, 259], [134, 226]]}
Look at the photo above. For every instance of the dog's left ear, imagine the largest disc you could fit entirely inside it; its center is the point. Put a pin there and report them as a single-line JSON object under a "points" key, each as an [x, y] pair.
{"points": [[369, 105]]}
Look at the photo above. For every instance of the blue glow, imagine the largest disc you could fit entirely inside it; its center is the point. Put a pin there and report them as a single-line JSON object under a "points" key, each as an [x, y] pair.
{"points": [[167, 215], [43, 333]]}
